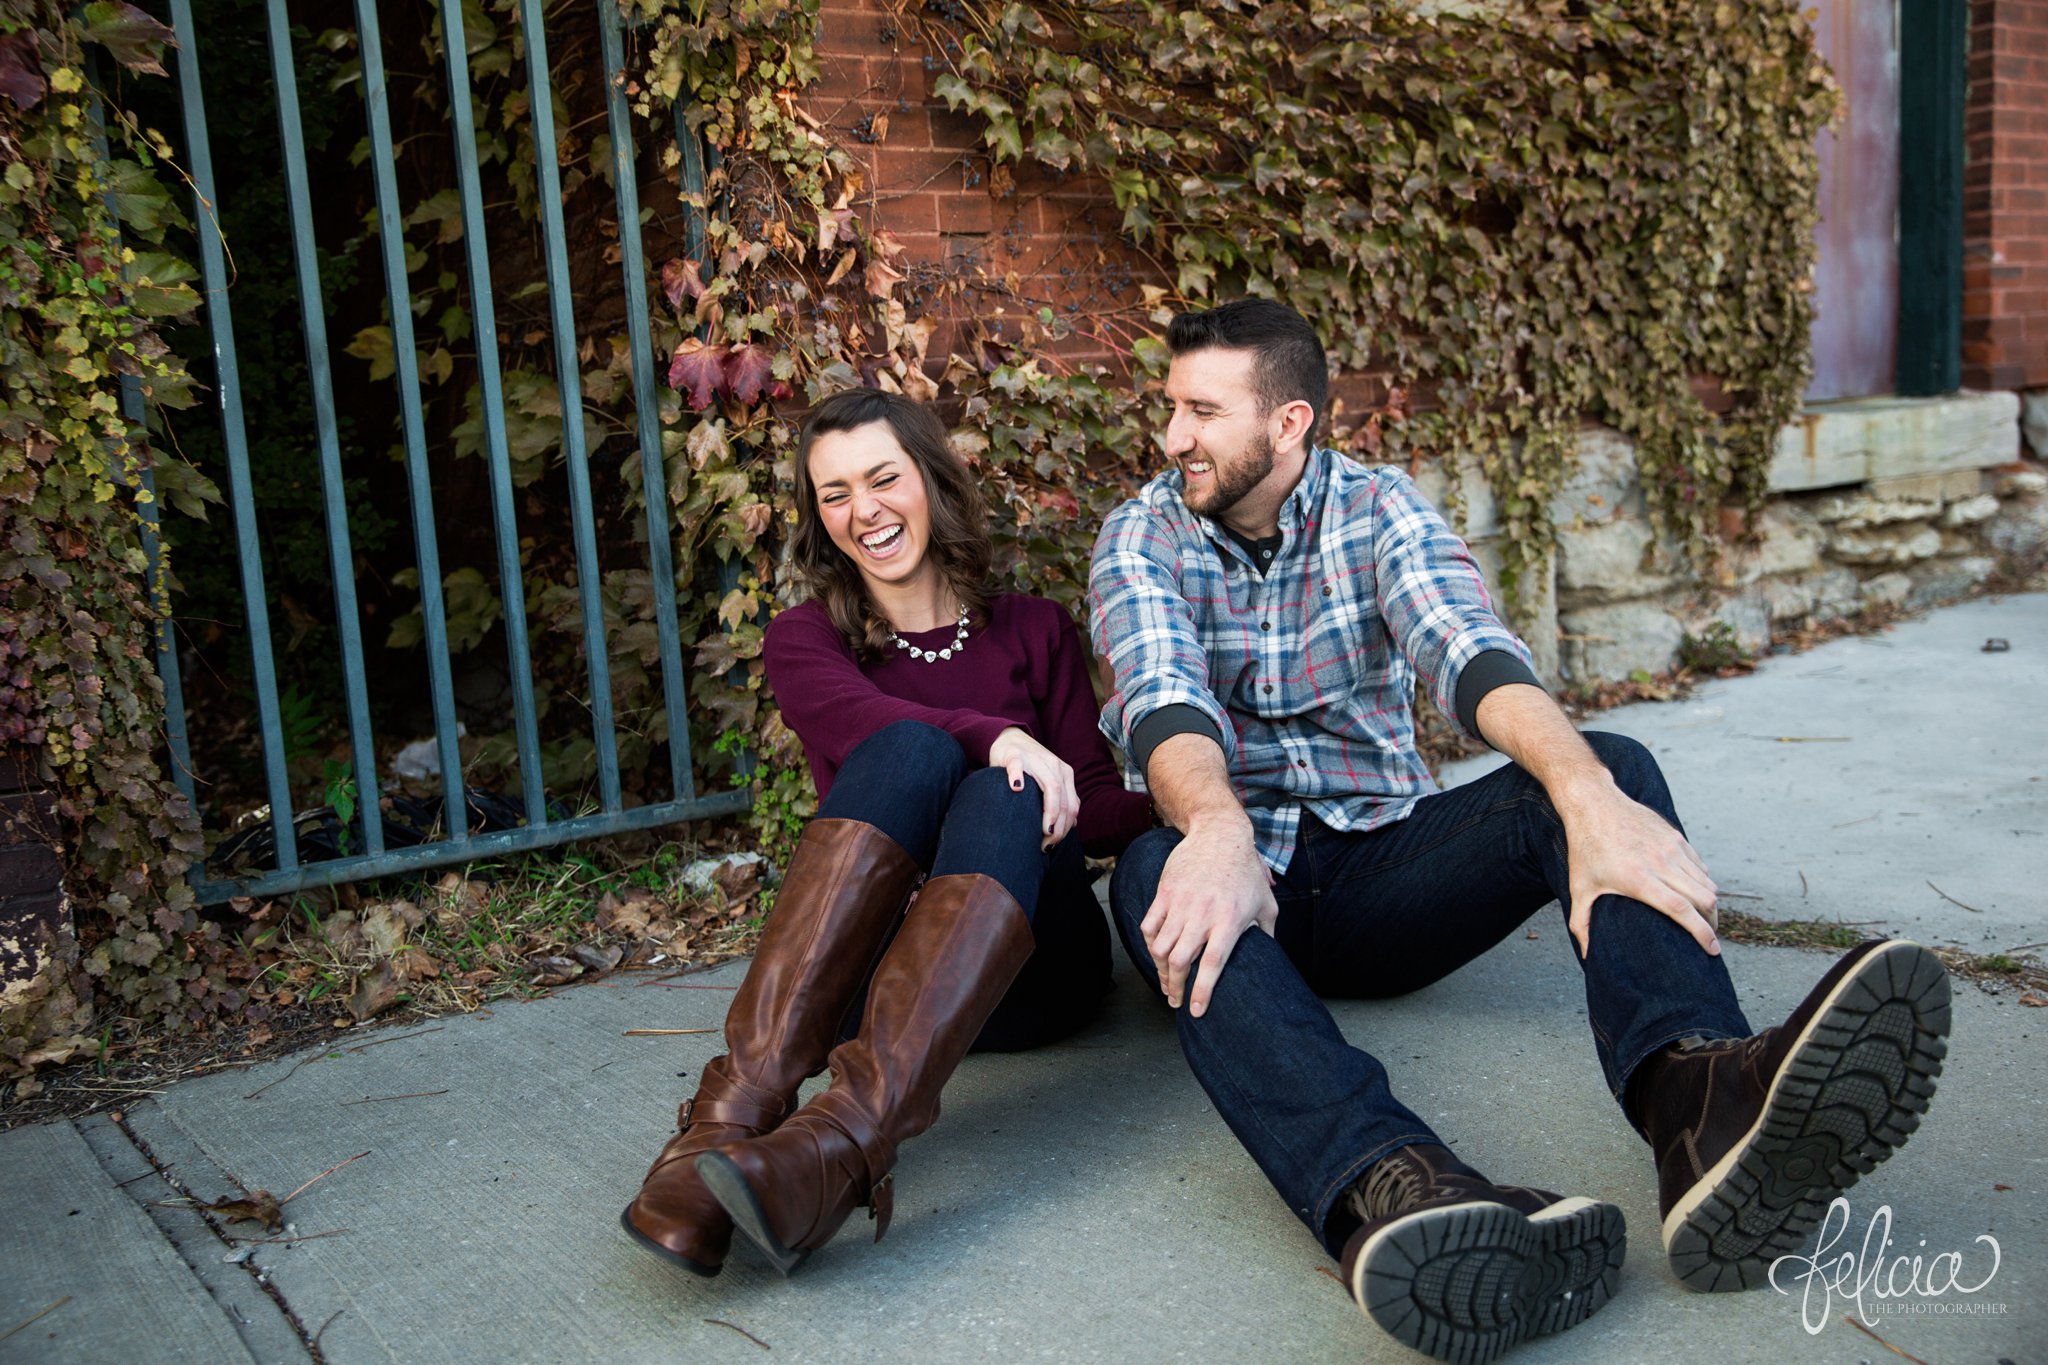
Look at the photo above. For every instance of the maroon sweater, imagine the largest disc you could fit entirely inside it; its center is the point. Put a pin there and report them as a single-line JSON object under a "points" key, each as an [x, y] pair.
{"points": [[1025, 667]]}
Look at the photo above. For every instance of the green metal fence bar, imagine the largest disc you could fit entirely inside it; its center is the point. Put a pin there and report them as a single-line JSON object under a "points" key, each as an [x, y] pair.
{"points": [[348, 620], [484, 322], [569, 382], [147, 509], [697, 160], [459, 844], [405, 358], [493, 844], [234, 435], [639, 333], [176, 737]]}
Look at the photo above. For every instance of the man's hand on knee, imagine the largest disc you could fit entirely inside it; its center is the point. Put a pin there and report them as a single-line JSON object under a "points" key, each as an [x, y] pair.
{"points": [[1621, 847], [1211, 890], [1615, 844]]}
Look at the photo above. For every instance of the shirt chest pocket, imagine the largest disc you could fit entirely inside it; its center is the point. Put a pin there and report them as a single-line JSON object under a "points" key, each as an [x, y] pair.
{"points": [[1342, 615]]}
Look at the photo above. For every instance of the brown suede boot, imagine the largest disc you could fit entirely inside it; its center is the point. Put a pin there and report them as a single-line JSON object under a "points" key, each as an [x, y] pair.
{"points": [[960, 947], [1462, 1269], [845, 883], [1754, 1137]]}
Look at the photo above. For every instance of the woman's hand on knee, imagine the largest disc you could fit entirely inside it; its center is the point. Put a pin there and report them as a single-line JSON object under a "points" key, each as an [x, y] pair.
{"points": [[1022, 756]]}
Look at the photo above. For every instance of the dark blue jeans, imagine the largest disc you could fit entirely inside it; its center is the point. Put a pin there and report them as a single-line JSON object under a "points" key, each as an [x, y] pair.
{"points": [[912, 782], [1368, 915]]}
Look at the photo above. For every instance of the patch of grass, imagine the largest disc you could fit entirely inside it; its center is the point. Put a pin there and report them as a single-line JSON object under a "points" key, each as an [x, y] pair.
{"points": [[1713, 650], [403, 949], [516, 927], [1995, 972], [1739, 927]]}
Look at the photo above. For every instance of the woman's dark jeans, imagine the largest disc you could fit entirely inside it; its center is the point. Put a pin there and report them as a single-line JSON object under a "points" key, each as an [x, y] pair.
{"points": [[1367, 915], [912, 782]]}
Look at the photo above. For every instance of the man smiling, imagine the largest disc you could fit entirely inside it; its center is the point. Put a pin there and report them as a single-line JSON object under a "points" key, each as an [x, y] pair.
{"points": [[1268, 607]]}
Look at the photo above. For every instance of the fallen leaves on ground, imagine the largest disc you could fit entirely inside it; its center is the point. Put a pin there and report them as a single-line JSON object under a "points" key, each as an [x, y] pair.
{"points": [[259, 1207]]}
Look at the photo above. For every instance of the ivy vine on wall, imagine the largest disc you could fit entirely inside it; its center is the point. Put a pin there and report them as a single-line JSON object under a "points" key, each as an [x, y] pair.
{"points": [[82, 294], [1537, 212]]}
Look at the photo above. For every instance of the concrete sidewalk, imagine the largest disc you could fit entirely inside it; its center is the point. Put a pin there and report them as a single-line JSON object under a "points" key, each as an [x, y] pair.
{"points": [[1084, 1202]]}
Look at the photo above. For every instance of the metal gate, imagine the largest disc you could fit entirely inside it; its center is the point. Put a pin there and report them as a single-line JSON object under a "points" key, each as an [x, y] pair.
{"points": [[460, 842]]}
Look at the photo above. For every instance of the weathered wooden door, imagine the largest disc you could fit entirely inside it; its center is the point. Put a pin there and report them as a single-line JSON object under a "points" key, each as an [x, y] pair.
{"points": [[1856, 279]]}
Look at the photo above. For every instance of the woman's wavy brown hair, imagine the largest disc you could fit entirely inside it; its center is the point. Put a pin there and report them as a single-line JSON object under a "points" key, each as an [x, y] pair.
{"points": [[959, 542]]}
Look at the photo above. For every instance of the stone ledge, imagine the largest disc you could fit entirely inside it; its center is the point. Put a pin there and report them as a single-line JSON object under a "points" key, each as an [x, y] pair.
{"points": [[1831, 444]]}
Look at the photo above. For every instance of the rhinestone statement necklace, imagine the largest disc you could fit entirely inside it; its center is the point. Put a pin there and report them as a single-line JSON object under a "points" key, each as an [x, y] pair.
{"points": [[931, 656]]}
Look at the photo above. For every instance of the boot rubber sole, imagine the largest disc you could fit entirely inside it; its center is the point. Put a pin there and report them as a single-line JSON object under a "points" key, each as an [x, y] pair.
{"points": [[749, 1218], [1467, 1282], [1849, 1093], [677, 1258]]}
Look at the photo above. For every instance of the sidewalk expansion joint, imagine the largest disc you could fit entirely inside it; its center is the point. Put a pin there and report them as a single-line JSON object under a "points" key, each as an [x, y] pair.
{"points": [[244, 1291]]}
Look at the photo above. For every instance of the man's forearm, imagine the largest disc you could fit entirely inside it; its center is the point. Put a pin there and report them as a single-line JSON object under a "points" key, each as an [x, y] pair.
{"points": [[1525, 724], [1190, 784]]}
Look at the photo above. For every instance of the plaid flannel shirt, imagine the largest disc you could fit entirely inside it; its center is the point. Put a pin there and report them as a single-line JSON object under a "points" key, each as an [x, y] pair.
{"points": [[1309, 671]]}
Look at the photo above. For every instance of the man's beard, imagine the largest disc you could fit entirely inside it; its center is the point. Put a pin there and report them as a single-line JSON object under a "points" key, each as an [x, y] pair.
{"points": [[1239, 477]]}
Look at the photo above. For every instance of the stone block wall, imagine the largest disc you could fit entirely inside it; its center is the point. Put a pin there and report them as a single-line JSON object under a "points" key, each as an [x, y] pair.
{"points": [[1899, 503]]}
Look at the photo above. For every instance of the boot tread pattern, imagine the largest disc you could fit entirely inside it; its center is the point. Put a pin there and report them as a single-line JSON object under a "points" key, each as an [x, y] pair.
{"points": [[1846, 1099], [1467, 1282]]}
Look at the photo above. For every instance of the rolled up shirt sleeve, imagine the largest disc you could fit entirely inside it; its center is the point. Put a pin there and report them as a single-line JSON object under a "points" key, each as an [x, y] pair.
{"points": [[1432, 597], [1140, 621]]}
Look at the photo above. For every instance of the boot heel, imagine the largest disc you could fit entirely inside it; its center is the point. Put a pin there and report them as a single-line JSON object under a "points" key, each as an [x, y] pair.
{"points": [[730, 1188]]}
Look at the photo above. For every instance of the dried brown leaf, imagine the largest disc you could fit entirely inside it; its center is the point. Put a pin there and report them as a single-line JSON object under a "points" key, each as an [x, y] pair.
{"points": [[375, 992], [554, 971], [599, 957], [260, 1207], [382, 930], [413, 963], [736, 879], [629, 917]]}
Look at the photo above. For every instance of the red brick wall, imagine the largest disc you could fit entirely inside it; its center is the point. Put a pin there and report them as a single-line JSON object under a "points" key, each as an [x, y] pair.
{"points": [[2005, 197], [980, 241]]}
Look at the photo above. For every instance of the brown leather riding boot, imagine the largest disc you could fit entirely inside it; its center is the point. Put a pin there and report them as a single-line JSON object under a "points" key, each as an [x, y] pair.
{"points": [[1754, 1137], [845, 883], [961, 945]]}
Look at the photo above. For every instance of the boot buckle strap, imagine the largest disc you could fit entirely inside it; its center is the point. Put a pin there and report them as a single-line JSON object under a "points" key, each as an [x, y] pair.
{"points": [[882, 1203], [738, 1113]]}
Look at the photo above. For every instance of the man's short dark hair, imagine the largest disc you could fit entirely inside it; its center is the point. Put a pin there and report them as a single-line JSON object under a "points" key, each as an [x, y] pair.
{"points": [[1289, 364]]}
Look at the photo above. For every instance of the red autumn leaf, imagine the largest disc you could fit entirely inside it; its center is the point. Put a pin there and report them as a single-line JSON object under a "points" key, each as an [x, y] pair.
{"points": [[748, 370], [698, 371], [1060, 500], [681, 280], [21, 75]]}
